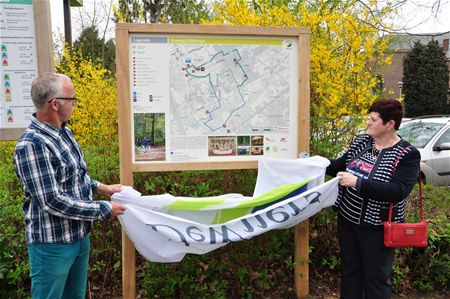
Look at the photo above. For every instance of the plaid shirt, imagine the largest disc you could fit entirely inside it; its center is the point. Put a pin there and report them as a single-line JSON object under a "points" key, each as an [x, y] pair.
{"points": [[58, 202]]}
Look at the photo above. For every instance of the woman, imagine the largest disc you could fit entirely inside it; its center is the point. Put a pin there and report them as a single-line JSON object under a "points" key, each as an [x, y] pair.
{"points": [[369, 182]]}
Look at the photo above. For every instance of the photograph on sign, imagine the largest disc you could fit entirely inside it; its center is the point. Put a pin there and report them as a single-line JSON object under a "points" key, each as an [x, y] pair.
{"points": [[201, 98], [221, 146], [149, 137]]}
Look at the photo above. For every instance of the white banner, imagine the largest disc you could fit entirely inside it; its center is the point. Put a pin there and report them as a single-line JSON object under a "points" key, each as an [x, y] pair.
{"points": [[165, 228]]}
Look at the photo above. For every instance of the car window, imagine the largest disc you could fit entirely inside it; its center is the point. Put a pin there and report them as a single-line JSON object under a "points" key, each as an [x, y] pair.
{"points": [[419, 133], [444, 138]]}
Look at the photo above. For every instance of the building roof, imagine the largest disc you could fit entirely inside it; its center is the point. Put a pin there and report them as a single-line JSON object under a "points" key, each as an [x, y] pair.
{"points": [[404, 42]]}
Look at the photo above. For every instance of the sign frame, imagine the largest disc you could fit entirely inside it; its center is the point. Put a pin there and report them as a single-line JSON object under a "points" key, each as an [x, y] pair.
{"points": [[128, 166], [125, 103], [44, 52]]}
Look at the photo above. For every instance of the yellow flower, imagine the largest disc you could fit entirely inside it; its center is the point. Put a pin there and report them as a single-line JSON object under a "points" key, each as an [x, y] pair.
{"points": [[95, 119]]}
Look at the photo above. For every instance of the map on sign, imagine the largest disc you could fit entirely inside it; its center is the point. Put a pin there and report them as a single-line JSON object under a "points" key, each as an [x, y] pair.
{"points": [[229, 89], [213, 98]]}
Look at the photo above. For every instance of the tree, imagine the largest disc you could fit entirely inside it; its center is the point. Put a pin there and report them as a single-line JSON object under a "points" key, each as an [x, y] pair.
{"points": [[92, 47], [161, 11], [344, 39], [425, 78], [94, 121], [412, 14]]}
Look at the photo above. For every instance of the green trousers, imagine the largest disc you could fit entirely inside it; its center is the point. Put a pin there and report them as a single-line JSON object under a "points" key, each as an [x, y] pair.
{"points": [[59, 270]]}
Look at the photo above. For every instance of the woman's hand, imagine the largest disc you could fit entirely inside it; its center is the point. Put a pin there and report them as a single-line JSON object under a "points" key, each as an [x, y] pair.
{"points": [[347, 179]]}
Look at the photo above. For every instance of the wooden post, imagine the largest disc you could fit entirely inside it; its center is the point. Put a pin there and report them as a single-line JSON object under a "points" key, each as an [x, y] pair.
{"points": [[43, 32], [301, 272], [125, 152], [67, 24], [128, 268], [302, 229]]}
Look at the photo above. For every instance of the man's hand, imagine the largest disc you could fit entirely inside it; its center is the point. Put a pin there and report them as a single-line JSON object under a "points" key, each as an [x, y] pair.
{"points": [[108, 190], [117, 209]]}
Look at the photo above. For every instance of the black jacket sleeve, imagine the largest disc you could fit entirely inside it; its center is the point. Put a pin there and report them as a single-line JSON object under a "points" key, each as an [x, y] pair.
{"points": [[337, 165]]}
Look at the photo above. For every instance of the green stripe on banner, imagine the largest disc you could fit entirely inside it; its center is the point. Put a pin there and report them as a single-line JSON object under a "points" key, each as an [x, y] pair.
{"points": [[274, 194], [226, 215], [193, 205], [229, 214]]}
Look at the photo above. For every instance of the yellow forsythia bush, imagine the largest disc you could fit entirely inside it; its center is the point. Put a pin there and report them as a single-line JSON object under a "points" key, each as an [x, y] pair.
{"points": [[95, 119], [341, 46]]}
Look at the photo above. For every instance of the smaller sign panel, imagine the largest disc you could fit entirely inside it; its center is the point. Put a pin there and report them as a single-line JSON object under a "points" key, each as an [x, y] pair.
{"points": [[18, 65]]}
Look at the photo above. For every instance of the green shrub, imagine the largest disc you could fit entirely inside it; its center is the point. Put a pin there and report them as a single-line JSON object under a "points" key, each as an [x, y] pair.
{"points": [[245, 269], [261, 267], [14, 266], [427, 269]]}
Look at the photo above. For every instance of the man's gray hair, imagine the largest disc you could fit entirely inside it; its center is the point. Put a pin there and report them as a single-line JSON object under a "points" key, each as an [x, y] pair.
{"points": [[45, 87]]}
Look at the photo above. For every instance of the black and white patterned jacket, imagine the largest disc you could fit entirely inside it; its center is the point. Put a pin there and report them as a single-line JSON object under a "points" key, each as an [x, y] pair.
{"points": [[368, 203]]}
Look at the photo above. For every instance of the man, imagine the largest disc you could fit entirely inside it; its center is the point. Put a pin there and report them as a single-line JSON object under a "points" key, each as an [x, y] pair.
{"points": [[58, 206], [146, 143]]}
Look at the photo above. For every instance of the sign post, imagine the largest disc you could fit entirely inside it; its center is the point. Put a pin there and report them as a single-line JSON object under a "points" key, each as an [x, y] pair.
{"points": [[198, 97]]}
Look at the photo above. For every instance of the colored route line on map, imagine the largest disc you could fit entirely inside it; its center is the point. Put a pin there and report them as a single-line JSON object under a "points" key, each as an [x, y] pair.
{"points": [[218, 61]]}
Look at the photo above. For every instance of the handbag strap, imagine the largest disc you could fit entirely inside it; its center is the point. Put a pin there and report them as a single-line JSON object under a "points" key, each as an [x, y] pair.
{"points": [[419, 179]]}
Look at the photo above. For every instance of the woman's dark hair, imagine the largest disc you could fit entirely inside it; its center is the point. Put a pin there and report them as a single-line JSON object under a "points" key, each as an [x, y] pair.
{"points": [[389, 109]]}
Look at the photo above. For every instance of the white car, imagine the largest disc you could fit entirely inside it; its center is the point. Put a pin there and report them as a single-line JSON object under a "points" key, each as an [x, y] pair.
{"points": [[431, 136]]}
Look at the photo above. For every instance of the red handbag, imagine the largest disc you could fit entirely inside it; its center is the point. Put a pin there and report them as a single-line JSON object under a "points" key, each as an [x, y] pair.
{"points": [[406, 234]]}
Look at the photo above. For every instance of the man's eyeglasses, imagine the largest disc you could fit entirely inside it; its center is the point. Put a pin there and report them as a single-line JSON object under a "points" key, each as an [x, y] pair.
{"points": [[74, 100]]}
